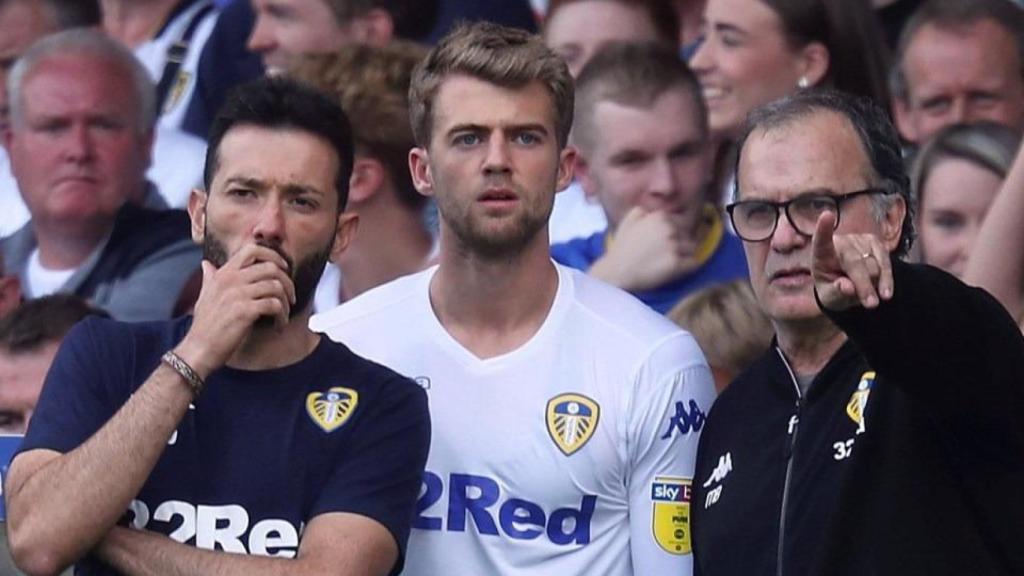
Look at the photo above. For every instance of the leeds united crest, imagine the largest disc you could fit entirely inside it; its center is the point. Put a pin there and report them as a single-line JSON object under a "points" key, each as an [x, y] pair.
{"points": [[572, 419], [329, 410], [859, 400]]}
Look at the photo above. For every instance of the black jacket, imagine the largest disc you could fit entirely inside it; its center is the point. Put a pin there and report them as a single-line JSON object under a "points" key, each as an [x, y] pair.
{"points": [[933, 483]]}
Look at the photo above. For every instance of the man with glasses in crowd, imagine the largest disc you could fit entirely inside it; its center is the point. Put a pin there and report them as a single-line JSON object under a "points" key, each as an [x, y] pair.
{"points": [[880, 433]]}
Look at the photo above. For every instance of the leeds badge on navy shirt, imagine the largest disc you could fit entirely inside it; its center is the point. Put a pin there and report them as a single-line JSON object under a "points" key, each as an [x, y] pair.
{"points": [[329, 410]]}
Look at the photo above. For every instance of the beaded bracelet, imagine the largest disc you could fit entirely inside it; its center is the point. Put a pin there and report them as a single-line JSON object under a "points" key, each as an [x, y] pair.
{"points": [[194, 381]]}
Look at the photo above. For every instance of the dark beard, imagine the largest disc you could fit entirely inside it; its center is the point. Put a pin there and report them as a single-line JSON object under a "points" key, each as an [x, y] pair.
{"points": [[305, 276]]}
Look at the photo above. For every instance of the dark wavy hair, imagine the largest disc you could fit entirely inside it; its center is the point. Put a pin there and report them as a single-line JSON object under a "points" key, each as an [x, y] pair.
{"points": [[849, 29], [284, 103]]}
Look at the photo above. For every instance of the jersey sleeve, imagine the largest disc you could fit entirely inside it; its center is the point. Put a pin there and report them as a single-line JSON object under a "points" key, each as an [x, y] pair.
{"points": [[673, 392], [382, 478], [79, 394]]}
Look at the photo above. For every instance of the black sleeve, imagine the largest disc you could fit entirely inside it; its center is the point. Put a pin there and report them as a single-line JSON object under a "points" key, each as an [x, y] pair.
{"points": [[950, 346]]}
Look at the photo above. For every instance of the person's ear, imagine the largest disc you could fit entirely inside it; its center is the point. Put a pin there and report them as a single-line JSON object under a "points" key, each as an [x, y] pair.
{"points": [[367, 179], [566, 167], [585, 177], [348, 227], [197, 213], [813, 64], [892, 224], [419, 169]]}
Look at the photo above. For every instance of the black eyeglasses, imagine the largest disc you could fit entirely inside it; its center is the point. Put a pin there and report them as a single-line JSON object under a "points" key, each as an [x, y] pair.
{"points": [[756, 220]]}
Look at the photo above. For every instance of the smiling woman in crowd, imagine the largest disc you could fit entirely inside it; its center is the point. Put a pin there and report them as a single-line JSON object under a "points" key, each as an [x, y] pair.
{"points": [[756, 51]]}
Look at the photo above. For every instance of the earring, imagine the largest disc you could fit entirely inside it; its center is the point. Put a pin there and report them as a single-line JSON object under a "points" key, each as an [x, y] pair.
{"points": [[803, 82]]}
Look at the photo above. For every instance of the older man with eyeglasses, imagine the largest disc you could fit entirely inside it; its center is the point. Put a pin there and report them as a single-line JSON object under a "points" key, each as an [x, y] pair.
{"points": [[880, 434]]}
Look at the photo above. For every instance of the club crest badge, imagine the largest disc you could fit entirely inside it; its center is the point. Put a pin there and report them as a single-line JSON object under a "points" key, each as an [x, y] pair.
{"points": [[671, 497], [859, 401], [174, 96], [329, 410], [572, 419]]}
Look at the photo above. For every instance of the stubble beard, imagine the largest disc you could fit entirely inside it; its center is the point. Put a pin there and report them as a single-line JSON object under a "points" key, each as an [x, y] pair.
{"points": [[493, 241]]}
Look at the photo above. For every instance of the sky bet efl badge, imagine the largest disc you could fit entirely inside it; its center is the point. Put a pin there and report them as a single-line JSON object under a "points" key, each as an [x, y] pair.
{"points": [[572, 419], [859, 400], [671, 498], [333, 408]]}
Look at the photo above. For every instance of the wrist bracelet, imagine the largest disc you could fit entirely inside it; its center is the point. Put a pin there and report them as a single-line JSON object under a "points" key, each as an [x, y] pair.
{"points": [[194, 381]]}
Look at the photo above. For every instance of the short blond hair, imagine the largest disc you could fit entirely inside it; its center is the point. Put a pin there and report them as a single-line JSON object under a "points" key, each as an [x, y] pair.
{"points": [[504, 56], [372, 84], [729, 326]]}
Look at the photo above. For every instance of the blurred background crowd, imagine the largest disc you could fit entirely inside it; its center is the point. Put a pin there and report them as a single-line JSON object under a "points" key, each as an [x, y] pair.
{"points": [[106, 105]]}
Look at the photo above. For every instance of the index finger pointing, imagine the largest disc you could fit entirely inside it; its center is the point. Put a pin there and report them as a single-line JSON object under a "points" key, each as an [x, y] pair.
{"points": [[823, 247]]}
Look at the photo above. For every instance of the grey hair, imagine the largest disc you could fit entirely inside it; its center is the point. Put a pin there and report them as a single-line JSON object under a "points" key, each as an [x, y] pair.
{"points": [[83, 41], [877, 136]]}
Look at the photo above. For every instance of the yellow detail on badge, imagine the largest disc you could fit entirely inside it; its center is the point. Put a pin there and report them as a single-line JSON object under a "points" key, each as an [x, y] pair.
{"points": [[181, 82], [859, 400], [329, 410], [572, 419], [671, 498]]}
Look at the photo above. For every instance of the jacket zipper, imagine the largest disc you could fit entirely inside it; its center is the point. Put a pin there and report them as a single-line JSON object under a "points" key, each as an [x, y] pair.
{"points": [[794, 425]]}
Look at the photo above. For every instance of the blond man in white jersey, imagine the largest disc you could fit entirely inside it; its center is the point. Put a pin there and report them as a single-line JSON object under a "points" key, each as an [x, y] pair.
{"points": [[565, 413]]}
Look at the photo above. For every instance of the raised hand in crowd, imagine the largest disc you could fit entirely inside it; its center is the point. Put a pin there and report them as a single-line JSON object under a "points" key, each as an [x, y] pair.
{"points": [[996, 262], [650, 248]]}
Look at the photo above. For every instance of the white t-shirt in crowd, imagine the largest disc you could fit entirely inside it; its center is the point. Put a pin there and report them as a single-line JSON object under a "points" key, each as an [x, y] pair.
{"points": [[39, 281], [153, 55], [570, 455], [575, 215], [13, 212]]}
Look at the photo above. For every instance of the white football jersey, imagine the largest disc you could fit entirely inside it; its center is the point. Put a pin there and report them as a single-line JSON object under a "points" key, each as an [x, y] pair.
{"points": [[573, 454]]}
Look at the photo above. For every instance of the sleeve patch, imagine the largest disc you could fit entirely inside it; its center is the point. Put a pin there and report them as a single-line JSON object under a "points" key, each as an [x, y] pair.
{"points": [[671, 498]]}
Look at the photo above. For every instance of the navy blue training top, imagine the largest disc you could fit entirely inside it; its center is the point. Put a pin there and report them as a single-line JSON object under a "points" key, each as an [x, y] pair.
{"points": [[258, 454]]}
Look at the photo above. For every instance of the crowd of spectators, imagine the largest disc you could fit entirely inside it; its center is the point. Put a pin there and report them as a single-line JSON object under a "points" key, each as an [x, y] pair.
{"points": [[105, 107]]}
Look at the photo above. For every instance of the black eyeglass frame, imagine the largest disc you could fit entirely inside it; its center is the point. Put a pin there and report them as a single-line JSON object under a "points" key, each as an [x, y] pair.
{"points": [[781, 207]]}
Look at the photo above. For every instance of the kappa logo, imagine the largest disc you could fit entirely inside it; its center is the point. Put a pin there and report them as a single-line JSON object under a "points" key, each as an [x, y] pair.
{"points": [[721, 470], [329, 410], [572, 419], [671, 497], [859, 400], [717, 476], [685, 420]]}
